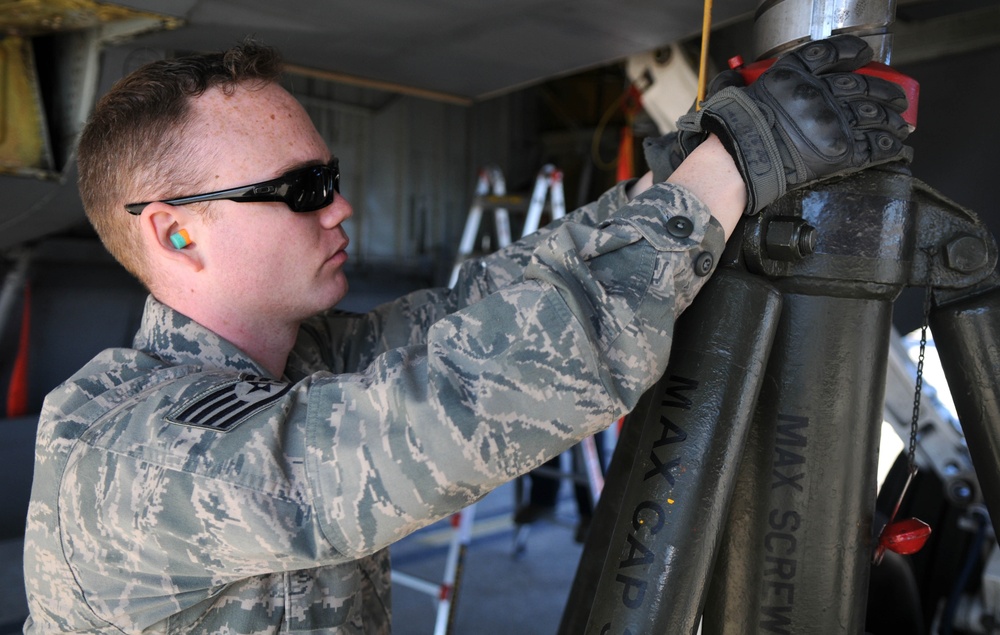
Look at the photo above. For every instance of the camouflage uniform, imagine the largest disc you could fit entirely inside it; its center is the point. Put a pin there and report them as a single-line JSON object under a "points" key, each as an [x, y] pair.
{"points": [[179, 489]]}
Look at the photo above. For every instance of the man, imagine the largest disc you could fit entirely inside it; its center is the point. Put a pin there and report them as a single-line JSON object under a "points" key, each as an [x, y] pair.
{"points": [[245, 466]]}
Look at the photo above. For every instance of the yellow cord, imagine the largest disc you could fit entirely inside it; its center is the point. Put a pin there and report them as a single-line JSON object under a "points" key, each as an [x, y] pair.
{"points": [[595, 140], [706, 28]]}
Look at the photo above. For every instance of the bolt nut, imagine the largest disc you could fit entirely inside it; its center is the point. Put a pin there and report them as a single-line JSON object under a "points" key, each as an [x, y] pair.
{"points": [[966, 254], [961, 491], [789, 239]]}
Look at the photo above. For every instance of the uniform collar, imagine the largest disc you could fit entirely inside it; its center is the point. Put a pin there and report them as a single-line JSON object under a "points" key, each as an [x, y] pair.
{"points": [[180, 341]]}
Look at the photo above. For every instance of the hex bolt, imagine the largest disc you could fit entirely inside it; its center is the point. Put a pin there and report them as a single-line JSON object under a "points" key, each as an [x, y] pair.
{"points": [[789, 239], [960, 491], [966, 254]]}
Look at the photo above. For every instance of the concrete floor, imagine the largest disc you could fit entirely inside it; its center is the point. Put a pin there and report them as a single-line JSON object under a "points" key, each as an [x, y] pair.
{"points": [[501, 592]]}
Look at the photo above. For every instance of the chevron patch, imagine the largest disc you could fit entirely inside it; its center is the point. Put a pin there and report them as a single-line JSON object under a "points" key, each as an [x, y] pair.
{"points": [[228, 404]]}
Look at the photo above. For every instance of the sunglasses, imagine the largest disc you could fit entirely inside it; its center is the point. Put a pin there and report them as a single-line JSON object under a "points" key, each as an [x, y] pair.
{"points": [[302, 190]]}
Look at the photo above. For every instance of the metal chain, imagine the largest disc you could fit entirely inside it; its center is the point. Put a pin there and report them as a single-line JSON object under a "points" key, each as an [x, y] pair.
{"points": [[912, 451]]}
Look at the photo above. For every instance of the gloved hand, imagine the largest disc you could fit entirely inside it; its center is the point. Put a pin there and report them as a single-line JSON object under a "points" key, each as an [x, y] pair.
{"points": [[807, 118], [663, 154]]}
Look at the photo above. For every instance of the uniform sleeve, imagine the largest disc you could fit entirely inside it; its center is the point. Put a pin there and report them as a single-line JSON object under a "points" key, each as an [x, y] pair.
{"points": [[352, 341], [506, 383], [343, 342], [481, 277]]}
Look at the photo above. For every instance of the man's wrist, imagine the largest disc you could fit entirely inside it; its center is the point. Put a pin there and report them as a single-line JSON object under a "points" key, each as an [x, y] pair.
{"points": [[641, 185], [710, 173]]}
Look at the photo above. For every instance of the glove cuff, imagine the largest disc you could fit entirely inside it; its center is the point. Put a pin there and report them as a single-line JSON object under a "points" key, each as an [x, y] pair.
{"points": [[747, 132], [661, 155]]}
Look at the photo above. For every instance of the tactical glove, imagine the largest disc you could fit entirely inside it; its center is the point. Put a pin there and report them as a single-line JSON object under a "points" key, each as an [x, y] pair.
{"points": [[807, 118]]}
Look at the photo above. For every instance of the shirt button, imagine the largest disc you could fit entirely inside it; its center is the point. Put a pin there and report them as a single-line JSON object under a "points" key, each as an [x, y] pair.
{"points": [[703, 264], [680, 226]]}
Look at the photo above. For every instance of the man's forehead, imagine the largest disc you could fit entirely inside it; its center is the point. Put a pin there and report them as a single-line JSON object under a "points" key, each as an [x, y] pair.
{"points": [[246, 101], [250, 133], [256, 119]]}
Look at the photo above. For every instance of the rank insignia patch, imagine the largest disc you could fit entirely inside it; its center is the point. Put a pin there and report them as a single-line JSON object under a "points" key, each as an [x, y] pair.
{"points": [[228, 404]]}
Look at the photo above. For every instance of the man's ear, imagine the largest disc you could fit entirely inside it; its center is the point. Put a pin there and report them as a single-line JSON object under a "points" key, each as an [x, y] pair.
{"points": [[165, 233]]}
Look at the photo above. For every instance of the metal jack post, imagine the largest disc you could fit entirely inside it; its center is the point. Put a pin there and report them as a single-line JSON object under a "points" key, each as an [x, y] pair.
{"points": [[800, 538], [966, 327], [670, 493], [795, 551]]}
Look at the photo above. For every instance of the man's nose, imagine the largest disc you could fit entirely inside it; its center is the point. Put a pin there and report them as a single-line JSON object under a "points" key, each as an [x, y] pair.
{"points": [[335, 213]]}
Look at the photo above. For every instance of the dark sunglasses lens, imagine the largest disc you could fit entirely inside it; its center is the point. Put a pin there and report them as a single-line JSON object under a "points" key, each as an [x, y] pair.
{"points": [[311, 189]]}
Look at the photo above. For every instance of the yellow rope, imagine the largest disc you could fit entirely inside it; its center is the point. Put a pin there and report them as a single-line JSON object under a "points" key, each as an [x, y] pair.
{"points": [[595, 140], [706, 28]]}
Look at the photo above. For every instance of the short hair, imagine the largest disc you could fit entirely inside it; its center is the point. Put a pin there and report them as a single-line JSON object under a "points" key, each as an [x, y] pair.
{"points": [[134, 149]]}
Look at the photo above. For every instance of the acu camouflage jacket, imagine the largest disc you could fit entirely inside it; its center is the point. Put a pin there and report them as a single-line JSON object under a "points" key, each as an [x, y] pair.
{"points": [[179, 489]]}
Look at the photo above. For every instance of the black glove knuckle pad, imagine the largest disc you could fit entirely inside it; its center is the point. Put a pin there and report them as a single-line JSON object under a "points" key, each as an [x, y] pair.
{"points": [[811, 120], [840, 53], [865, 115]]}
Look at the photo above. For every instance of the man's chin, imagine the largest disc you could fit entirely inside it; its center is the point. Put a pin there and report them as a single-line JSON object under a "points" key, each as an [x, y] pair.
{"points": [[336, 295]]}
